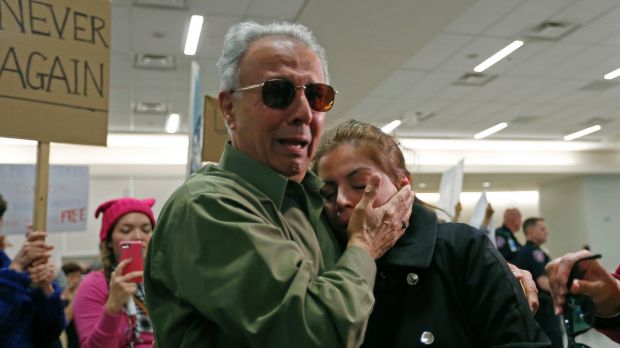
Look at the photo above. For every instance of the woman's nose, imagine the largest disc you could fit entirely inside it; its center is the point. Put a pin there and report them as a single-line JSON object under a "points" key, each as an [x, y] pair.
{"points": [[343, 200], [138, 234]]}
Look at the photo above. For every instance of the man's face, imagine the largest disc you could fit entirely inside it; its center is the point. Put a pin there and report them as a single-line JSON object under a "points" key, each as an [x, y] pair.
{"points": [[284, 139], [538, 233]]}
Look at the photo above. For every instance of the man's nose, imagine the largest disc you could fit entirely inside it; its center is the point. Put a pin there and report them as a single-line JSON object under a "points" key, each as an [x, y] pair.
{"points": [[303, 113]]}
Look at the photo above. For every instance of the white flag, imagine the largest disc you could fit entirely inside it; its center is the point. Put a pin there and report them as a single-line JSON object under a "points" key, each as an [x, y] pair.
{"points": [[477, 217], [451, 187]]}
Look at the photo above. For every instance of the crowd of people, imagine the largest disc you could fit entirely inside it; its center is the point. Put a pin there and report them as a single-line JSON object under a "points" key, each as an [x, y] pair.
{"points": [[299, 237]]}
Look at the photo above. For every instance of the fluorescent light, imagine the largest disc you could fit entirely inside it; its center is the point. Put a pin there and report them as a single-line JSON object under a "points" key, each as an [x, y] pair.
{"points": [[485, 133], [582, 133], [193, 34], [612, 75], [501, 54], [172, 123], [388, 128]]}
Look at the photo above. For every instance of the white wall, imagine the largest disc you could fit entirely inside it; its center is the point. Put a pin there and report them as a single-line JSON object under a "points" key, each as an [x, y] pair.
{"points": [[108, 182], [562, 206], [525, 201], [602, 216], [583, 210]]}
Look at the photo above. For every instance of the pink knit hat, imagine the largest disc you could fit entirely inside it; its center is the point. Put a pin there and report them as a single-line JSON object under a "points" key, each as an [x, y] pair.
{"points": [[114, 209]]}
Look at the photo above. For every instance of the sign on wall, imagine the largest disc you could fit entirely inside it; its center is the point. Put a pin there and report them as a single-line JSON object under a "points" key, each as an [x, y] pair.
{"points": [[54, 70], [67, 202], [215, 133]]}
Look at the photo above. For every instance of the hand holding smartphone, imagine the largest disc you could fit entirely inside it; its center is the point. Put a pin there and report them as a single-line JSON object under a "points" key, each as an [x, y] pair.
{"points": [[132, 249]]}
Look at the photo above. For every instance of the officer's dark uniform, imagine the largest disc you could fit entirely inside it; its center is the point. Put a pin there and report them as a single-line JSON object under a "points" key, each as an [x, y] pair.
{"points": [[445, 285], [534, 260], [506, 243]]}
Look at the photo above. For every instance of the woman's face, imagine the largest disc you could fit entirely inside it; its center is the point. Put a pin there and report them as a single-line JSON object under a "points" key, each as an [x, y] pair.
{"points": [[346, 170], [131, 227]]}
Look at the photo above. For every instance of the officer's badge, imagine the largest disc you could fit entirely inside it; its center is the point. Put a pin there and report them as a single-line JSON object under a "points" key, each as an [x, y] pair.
{"points": [[539, 256], [513, 245], [500, 242]]}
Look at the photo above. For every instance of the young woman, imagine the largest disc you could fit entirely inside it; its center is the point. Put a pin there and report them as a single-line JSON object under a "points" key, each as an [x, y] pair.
{"points": [[441, 284], [109, 309]]}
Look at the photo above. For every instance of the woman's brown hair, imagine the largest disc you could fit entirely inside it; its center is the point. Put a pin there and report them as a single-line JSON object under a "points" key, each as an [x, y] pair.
{"points": [[383, 149]]}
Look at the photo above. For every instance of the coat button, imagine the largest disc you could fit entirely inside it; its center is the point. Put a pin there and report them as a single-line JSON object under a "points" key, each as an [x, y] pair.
{"points": [[427, 338], [412, 279]]}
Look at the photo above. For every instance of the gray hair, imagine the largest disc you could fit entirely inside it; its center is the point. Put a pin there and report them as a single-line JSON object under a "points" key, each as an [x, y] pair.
{"points": [[241, 35]]}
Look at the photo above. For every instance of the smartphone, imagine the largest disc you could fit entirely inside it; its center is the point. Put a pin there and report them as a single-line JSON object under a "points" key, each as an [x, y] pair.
{"points": [[132, 249]]}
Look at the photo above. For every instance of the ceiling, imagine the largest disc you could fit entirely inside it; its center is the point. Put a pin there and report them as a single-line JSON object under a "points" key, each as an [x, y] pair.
{"points": [[397, 59]]}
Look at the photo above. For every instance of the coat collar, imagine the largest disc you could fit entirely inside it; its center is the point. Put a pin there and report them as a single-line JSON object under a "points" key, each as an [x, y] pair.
{"points": [[416, 247]]}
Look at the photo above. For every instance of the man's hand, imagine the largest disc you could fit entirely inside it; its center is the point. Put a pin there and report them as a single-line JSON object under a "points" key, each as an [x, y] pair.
{"points": [[528, 285], [595, 282], [377, 229], [33, 250]]}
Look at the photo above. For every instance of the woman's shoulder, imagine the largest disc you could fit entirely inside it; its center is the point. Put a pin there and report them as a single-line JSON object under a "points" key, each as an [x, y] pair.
{"points": [[93, 281]]}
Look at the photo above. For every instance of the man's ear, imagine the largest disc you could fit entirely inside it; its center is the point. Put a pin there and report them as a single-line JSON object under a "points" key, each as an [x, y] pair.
{"points": [[227, 107]]}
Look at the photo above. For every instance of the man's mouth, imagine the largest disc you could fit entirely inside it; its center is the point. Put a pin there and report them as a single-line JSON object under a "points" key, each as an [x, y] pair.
{"points": [[294, 143]]}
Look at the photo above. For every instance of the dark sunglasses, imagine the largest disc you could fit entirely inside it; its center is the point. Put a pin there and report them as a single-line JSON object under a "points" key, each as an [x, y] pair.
{"points": [[280, 93], [579, 310]]}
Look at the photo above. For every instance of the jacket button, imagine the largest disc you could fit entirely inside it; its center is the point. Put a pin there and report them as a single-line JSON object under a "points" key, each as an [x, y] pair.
{"points": [[427, 338], [412, 279]]}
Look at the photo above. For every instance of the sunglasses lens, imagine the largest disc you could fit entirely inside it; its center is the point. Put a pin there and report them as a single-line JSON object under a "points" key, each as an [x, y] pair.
{"points": [[320, 96], [278, 94]]}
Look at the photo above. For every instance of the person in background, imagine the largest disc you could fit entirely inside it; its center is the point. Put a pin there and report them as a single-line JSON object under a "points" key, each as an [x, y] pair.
{"points": [[533, 259], [442, 284], [73, 273], [109, 309], [505, 239], [31, 312], [595, 282], [242, 255]]}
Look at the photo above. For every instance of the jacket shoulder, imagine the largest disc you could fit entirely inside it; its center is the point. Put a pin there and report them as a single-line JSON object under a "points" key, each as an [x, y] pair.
{"points": [[458, 234]]}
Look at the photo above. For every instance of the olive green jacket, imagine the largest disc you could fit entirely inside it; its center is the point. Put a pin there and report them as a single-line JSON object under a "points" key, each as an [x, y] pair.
{"points": [[241, 257]]}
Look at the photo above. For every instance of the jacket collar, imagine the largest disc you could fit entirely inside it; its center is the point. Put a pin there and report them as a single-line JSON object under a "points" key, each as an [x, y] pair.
{"points": [[416, 247], [265, 179]]}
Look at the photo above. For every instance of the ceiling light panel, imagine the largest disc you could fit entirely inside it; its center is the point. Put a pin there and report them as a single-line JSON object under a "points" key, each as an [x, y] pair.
{"points": [[169, 4], [154, 61], [489, 131], [498, 56]]}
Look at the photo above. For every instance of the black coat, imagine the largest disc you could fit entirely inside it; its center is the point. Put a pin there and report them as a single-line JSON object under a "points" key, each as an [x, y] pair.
{"points": [[446, 285]]}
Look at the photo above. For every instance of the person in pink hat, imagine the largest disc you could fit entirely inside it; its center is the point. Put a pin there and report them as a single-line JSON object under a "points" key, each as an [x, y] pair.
{"points": [[109, 308]]}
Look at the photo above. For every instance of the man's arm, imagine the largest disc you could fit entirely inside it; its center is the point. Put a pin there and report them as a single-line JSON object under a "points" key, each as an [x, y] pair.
{"points": [[231, 261]]}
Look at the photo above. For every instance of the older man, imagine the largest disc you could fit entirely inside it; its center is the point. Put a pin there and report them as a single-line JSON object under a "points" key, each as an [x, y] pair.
{"points": [[505, 239], [241, 255]]}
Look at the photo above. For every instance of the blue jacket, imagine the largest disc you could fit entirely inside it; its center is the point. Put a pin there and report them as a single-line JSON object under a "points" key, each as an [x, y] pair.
{"points": [[28, 318]]}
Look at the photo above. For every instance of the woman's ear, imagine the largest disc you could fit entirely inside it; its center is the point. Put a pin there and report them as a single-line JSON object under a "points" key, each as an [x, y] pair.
{"points": [[405, 180]]}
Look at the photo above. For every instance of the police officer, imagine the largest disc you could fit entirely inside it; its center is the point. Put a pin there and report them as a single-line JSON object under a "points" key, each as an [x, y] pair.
{"points": [[533, 259], [505, 240]]}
